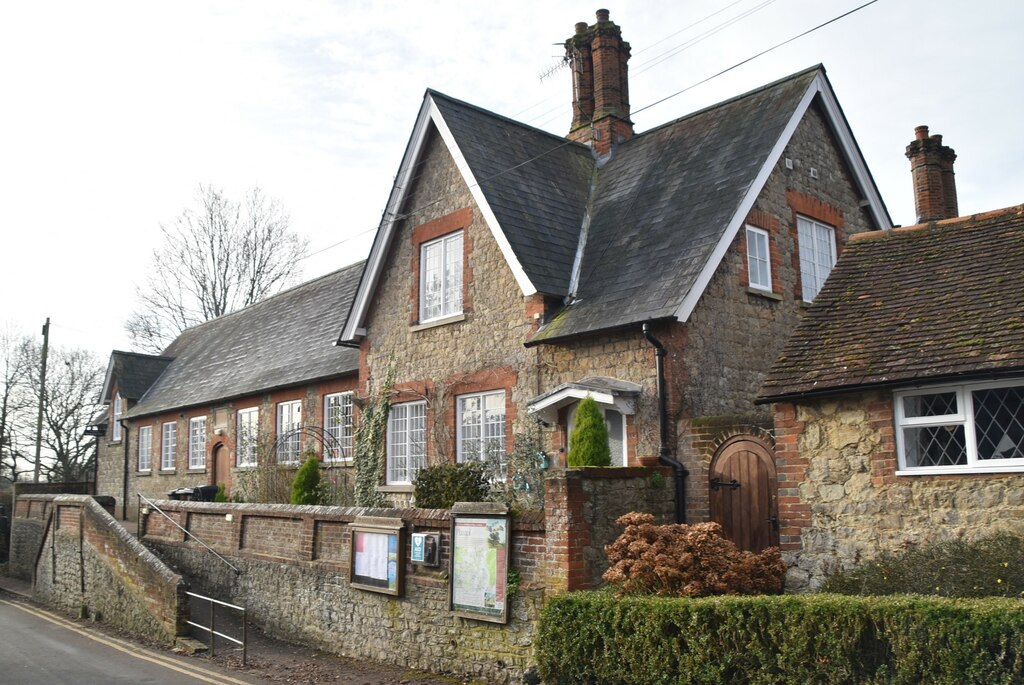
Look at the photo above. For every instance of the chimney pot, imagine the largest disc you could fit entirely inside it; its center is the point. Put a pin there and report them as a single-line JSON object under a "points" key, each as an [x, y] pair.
{"points": [[921, 132], [581, 27], [602, 15]]}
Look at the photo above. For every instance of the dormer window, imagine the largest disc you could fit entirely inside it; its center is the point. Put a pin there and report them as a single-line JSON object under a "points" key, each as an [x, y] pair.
{"points": [[441, 277], [116, 423]]}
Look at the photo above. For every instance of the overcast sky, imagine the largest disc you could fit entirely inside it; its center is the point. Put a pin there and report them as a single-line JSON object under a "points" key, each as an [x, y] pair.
{"points": [[112, 113]]}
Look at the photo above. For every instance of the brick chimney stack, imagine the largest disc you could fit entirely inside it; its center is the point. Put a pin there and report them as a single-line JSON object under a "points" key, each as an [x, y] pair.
{"points": [[600, 88], [931, 164]]}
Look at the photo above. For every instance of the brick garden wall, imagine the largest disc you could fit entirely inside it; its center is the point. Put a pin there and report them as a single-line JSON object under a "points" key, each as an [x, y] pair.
{"points": [[89, 562], [294, 564], [28, 524]]}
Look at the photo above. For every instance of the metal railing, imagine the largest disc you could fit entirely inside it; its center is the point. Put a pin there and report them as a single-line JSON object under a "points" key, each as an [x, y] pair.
{"points": [[212, 629], [150, 503]]}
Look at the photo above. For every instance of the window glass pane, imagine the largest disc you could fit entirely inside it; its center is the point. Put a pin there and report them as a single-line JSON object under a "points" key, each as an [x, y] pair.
{"points": [[245, 448], [197, 443], [937, 404], [758, 267], [168, 446], [338, 424], [145, 448], [289, 438], [999, 422], [616, 437], [817, 244], [407, 441], [935, 446], [441, 277]]}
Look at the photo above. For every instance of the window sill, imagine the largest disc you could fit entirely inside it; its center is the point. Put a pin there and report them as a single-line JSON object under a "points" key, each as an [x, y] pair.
{"points": [[196, 470], [767, 294], [244, 467], [438, 322], [143, 473], [167, 472], [947, 471], [328, 463], [398, 488]]}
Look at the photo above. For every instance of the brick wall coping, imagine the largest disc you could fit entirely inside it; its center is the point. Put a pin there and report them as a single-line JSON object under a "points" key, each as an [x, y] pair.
{"points": [[101, 518], [530, 521]]}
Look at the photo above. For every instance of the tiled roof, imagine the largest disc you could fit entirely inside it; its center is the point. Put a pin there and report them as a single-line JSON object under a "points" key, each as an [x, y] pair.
{"points": [[663, 202], [284, 340], [133, 372], [535, 183], [928, 303]]}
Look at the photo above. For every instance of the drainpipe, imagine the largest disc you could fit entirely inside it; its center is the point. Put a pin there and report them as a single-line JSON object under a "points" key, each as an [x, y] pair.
{"points": [[124, 494], [663, 451]]}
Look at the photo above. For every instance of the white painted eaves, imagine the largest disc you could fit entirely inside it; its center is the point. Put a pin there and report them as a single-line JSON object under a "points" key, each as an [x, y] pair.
{"points": [[851, 152], [428, 115]]}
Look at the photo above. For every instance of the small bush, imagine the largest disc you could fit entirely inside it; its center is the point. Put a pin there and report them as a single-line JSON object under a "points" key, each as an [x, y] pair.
{"points": [[990, 567], [305, 485], [588, 443], [442, 485], [678, 560], [222, 494], [594, 637]]}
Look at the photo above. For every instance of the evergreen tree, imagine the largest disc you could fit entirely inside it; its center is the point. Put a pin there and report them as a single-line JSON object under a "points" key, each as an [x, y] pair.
{"points": [[306, 482], [588, 443]]}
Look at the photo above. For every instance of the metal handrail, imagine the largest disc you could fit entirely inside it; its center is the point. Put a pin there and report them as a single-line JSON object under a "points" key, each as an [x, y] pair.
{"points": [[187, 532], [213, 624]]}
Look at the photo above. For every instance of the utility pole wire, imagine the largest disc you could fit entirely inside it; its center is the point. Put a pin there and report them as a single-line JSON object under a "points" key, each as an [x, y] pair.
{"points": [[42, 398]]}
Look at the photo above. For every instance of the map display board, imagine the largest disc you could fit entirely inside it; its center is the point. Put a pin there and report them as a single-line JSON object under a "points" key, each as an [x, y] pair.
{"points": [[479, 572], [377, 562]]}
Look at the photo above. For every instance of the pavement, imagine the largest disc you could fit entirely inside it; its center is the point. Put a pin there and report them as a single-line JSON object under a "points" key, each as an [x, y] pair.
{"points": [[268, 660]]}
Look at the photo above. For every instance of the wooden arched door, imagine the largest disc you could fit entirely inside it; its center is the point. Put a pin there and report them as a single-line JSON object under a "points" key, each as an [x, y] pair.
{"points": [[220, 474], [744, 492]]}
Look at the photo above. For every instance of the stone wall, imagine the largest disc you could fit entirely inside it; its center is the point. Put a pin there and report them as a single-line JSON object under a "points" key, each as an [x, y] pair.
{"points": [[294, 582], [28, 525], [89, 563], [841, 502]]}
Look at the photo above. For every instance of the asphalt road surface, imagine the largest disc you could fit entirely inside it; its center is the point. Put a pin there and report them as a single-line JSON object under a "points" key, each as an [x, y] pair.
{"points": [[38, 647]]}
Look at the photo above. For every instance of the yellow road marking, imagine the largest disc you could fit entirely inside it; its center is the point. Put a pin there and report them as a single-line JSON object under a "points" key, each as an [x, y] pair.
{"points": [[130, 649]]}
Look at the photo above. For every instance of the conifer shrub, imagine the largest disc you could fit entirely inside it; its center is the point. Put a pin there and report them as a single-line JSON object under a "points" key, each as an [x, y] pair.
{"points": [[222, 494], [442, 485], [306, 484], [992, 566], [588, 442], [679, 560]]}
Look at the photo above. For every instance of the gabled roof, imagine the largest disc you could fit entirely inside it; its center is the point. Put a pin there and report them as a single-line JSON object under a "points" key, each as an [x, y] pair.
{"points": [[609, 391], [132, 373], [630, 239], [926, 304], [282, 341]]}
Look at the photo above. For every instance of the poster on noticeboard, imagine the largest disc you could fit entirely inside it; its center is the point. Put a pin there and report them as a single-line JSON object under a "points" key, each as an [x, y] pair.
{"points": [[377, 562], [479, 566]]}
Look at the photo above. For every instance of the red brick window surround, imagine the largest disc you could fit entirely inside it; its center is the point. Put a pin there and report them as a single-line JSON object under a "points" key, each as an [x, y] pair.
{"points": [[435, 254], [764, 225], [816, 230]]}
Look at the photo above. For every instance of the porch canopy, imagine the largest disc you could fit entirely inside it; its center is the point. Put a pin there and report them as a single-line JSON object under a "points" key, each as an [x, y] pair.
{"points": [[611, 393]]}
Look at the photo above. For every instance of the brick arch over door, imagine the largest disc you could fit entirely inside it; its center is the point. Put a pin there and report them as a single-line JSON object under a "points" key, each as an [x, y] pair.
{"points": [[743, 492]]}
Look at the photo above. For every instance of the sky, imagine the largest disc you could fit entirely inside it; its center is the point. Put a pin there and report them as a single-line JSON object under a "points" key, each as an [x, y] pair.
{"points": [[113, 113]]}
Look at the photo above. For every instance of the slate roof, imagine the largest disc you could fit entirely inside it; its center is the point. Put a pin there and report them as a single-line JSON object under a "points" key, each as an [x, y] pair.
{"points": [[663, 202], [284, 340], [133, 372], [536, 183], [930, 303]]}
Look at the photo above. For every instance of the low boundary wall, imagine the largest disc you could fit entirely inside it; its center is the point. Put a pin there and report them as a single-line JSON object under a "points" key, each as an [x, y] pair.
{"points": [[89, 563]]}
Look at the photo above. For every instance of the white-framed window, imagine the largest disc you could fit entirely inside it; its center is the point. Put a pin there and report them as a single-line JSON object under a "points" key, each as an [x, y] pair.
{"points": [[289, 439], [407, 442], [817, 254], [615, 422], [168, 446], [971, 428], [338, 424], [441, 277], [145, 448], [481, 427], [115, 425], [247, 436], [759, 262], [197, 442]]}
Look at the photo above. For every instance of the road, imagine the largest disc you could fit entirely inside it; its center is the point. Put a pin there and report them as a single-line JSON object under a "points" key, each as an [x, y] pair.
{"points": [[41, 648]]}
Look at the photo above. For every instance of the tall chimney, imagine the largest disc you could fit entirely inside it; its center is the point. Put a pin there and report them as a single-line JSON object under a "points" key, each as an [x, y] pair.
{"points": [[931, 164], [600, 87]]}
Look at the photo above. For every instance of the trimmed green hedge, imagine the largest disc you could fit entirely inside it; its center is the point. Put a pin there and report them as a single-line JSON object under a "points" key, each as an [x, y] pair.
{"points": [[594, 637]]}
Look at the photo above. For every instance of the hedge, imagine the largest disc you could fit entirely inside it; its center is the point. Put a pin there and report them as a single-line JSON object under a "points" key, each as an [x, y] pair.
{"points": [[594, 637]]}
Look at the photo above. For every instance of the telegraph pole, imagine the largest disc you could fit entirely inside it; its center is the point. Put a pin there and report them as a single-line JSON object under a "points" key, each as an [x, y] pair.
{"points": [[42, 396]]}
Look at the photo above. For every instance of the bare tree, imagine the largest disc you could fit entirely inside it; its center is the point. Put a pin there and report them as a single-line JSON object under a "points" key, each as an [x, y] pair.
{"points": [[16, 402], [220, 256]]}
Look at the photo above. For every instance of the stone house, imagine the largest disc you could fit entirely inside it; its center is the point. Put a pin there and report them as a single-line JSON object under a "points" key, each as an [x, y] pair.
{"points": [[516, 272], [260, 387], [899, 399]]}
